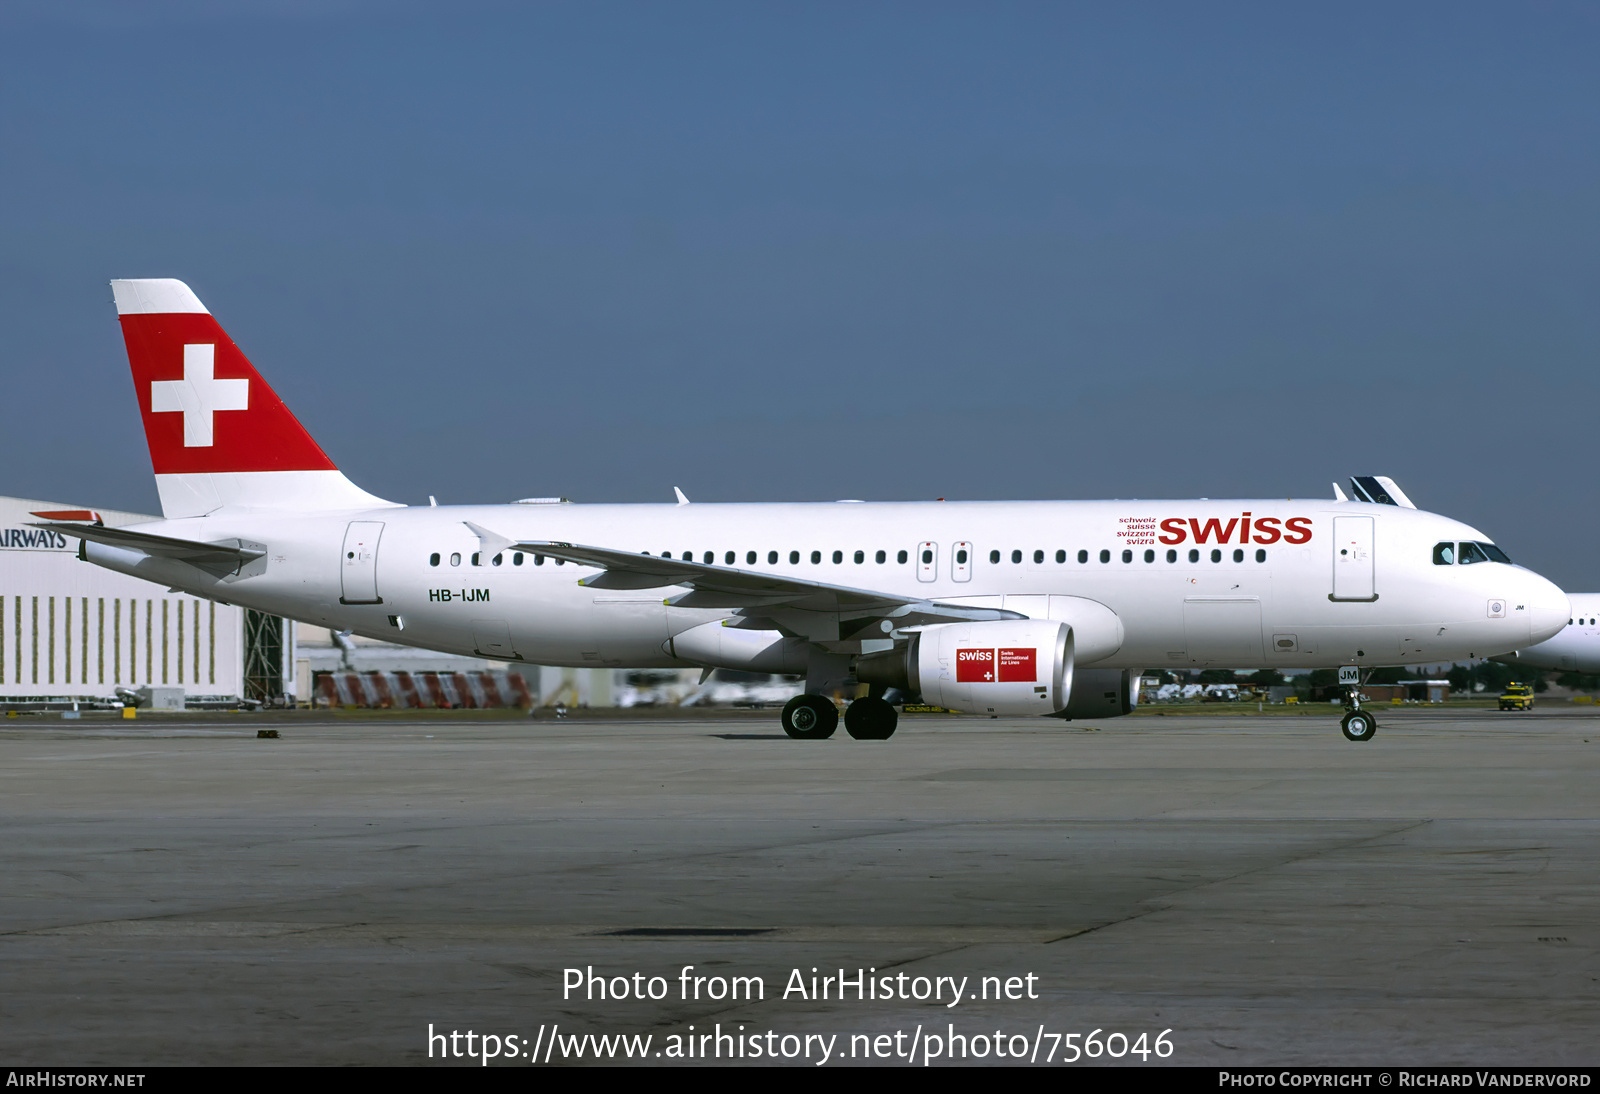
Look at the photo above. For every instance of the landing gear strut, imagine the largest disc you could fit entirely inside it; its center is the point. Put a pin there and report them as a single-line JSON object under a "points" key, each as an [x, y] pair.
{"points": [[810, 718]]}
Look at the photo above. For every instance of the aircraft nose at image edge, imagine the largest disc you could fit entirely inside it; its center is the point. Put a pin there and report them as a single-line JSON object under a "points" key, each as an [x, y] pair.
{"points": [[1549, 610]]}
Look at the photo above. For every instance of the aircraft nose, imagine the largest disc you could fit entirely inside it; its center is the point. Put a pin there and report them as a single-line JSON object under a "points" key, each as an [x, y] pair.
{"points": [[1548, 609]]}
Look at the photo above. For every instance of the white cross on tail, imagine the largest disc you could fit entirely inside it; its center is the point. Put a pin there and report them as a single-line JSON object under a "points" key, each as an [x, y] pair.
{"points": [[199, 395]]}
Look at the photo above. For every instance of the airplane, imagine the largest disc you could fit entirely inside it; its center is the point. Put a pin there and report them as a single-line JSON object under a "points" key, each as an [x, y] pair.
{"points": [[986, 607], [1576, 648]]}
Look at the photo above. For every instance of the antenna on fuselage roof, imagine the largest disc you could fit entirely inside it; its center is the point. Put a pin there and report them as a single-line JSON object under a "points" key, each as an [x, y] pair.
{"points": [[1338, 495], [683, 499]]}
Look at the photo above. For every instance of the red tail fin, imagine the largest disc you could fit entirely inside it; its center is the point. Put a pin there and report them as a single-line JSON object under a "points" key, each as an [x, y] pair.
{"points": [[218, 434]]}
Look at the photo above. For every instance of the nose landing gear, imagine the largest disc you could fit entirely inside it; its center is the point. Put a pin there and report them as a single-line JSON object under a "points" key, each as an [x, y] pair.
{"points": [[1357, 724]]}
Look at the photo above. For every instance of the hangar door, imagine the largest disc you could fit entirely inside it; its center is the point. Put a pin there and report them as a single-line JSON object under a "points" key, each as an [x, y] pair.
{"points": [[358, 571]]}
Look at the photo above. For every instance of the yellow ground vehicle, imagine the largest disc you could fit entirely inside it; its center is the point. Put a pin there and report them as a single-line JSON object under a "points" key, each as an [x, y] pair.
{"points": [[1517, 697]]}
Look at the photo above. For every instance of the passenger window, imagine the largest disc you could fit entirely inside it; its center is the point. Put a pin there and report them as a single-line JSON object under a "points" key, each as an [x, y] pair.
{"points": [[750, 558], [772, 558], [1470, 553], [816, 558], [1016, 557], [994, 557], [516, 559], [794, 558], [961, 558], [1444, 554], [838, 557], [880, 557], [1194, 555], [495, 560], [1172, 556], [477, 558], [538, 560], [1061, 556], [433, 559], [860, 557], [901, 558], [1149, 556], [729, 557], [1216, 555], [1105, 556], [1261, 554], [710, 557], [1238, 554], [1083, 556], [1127, 556], [927, 557], [455, 559]]}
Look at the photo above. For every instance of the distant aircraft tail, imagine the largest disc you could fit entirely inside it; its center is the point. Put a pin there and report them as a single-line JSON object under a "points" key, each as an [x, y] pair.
{"points": [[219, 436]]}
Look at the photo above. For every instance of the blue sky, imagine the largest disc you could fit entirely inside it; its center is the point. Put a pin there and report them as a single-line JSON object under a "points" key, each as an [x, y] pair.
{"points": [[809, 251]]}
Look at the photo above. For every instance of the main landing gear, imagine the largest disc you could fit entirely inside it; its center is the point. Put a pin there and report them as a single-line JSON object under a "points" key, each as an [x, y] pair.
{"points": [[871, 719], [810, 718], [814, 718]]}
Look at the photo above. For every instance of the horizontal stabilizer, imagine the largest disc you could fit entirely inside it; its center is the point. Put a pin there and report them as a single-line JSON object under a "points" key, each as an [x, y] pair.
{"points": [[223, 558], [69, 514]]}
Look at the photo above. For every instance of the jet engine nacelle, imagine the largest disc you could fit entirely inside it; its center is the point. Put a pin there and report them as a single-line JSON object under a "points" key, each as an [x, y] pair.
{"points": [[1010, 666], [1102, 693]]}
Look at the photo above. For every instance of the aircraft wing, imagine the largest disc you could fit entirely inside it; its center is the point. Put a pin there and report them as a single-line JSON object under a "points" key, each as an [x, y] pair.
{"points": [[222, 558], [810, 609]]}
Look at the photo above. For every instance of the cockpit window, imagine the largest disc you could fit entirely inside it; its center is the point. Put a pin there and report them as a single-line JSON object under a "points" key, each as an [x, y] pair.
{"points": [[1464, 554]]}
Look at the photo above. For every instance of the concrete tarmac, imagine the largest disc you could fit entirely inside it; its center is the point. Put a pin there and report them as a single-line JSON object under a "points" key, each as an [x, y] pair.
{"points": [[182, 892]]}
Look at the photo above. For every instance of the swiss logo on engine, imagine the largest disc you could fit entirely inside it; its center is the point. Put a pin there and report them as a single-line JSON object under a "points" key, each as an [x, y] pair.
{"points": [[1004, 666], [1017, 666], [974, 666]]}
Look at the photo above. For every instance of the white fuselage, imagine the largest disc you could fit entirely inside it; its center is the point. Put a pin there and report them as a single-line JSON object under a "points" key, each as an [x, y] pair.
{"points": [[1291, 595], [1576, 648]]}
